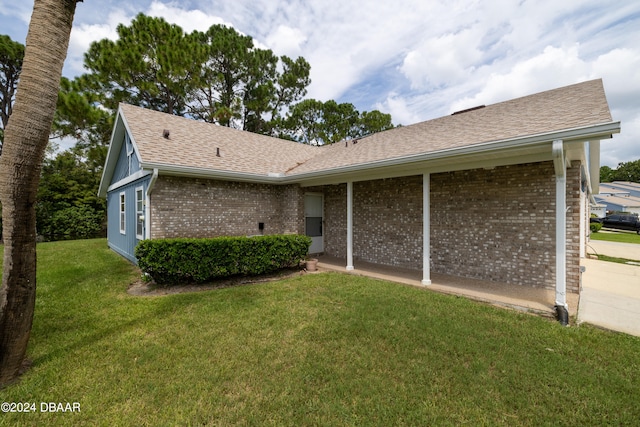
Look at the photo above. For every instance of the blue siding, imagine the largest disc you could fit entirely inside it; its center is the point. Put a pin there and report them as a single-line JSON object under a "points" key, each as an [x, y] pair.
{"points": [[124, 244], [127, 163]]}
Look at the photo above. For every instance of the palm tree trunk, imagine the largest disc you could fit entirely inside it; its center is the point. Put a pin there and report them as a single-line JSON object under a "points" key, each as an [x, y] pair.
{"points": [[26, 138]]}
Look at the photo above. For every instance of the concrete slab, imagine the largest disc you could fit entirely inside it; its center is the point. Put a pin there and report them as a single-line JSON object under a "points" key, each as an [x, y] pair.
{"points": [[522, 298], [610, 296]]}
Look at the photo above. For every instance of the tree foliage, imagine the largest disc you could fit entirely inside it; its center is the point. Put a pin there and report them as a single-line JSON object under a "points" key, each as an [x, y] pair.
{"points": [[224, 71], [217, 76], [318, 123], [153, 64], [79, 116], [11, 55], [626, 171], [68, 189]]}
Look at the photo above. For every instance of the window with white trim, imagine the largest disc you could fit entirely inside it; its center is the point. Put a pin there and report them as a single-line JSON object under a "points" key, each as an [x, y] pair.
{"points": [[140, 213], [122, 214]]}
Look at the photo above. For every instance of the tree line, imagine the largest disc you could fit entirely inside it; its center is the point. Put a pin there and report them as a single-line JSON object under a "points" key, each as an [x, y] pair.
{"points": [[626, 171], [218, 76]]}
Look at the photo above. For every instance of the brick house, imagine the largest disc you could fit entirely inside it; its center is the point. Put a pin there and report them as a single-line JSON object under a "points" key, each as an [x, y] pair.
{"points": [[498, 192]]}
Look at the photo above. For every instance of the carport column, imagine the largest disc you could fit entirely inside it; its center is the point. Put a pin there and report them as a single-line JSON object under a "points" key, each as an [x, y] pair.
{"points": [[561, 224], [350, 225], [426, 229]]}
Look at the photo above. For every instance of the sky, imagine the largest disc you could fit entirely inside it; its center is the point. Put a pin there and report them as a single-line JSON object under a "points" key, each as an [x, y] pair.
{"points": [[414, 59]]}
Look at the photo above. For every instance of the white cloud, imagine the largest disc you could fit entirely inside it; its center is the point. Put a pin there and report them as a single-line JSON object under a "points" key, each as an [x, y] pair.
{"points": [[620, 69], [552, 68], [285, 40], [82, 35], [443, 61], [188, 20], [401, 113]]}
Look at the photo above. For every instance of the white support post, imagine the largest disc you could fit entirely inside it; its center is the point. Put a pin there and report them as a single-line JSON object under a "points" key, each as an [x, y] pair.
{"points": [[584, 223], [426, 229], [561, 241], [350, 226], [561, 224]]}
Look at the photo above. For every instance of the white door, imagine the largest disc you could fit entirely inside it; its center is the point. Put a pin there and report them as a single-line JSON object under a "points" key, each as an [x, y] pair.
{"points": [[313, 222]]}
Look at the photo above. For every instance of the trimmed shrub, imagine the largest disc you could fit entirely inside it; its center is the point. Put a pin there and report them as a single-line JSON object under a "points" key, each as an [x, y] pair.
{"points": [[174, 261], [595, 227]]}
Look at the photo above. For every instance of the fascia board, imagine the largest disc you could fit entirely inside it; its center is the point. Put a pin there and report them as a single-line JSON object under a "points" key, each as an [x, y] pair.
{"points": [[174, 170], [436, 166], [583, 133], [112, 153]]}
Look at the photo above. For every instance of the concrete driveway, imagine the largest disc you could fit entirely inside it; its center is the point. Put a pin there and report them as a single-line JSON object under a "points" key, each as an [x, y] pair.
{"points": [[610, 296]]}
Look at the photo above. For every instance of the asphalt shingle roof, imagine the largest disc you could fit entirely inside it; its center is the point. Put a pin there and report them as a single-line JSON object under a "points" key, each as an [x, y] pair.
{"points": [[193, 144]]}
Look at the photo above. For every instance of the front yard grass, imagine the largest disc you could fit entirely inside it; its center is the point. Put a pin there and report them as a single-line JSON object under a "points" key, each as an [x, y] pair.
{"points": [[319, 349], [616, 236]]}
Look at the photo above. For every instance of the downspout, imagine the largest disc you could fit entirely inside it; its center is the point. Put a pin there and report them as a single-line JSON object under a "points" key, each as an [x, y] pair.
{"points": [[561, 306], [147, 205]]}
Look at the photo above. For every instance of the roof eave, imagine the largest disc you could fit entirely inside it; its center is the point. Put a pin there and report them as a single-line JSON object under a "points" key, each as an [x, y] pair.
{"points": [[112, 154], [586, 133], [194, 172]]}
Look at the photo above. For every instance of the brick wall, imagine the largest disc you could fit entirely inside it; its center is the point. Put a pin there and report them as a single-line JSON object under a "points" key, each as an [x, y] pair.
{"points": [[573, 227], [499, 224], [186, 207], [335, 219], [387, 221], [496, 224]]}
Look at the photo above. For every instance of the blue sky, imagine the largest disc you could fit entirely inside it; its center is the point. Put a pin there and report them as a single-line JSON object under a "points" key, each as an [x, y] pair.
{"points": [[414, 59]]}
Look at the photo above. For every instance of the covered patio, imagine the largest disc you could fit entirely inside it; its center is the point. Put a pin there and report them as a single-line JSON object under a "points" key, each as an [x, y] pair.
{"points": [[522, 298]]}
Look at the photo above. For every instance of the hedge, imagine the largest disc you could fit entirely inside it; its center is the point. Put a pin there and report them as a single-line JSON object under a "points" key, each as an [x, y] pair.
{"points": [[186, 260]]}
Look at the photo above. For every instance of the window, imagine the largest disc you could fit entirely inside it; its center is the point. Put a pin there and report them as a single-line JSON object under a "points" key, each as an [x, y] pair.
{"points": [[122, 214], [139, 213]]}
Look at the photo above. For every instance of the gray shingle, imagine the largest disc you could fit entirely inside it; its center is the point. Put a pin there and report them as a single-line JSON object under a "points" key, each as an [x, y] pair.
{"points": [[194, 144]]}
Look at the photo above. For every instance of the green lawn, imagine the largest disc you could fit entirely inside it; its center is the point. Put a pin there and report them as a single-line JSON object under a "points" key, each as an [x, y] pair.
{"points": [[321, 349], [616, 236]]}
